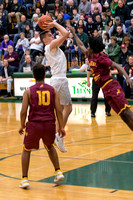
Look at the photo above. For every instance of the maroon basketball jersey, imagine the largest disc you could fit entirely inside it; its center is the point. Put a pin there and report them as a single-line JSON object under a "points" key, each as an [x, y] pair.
{"points": [[42, 103], [99, 66]]}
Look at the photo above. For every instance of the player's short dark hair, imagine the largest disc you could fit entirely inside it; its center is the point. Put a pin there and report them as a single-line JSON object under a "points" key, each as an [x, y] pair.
{"points": [[96, 44], [43, 34], [39, 72]]}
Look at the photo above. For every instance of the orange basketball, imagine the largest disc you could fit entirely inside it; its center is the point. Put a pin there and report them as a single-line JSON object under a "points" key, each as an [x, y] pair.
{"points": [[44, 19]]}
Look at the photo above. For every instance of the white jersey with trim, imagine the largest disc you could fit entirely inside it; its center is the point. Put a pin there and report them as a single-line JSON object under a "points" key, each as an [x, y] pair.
{"points": [[57, 61]]}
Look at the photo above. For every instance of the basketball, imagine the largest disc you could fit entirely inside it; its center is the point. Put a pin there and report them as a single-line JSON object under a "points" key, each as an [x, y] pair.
{"points": [[44, 19]]}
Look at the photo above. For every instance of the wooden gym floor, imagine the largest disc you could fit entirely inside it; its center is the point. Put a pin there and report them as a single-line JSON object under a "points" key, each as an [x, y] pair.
{"points": [[97, 166]]}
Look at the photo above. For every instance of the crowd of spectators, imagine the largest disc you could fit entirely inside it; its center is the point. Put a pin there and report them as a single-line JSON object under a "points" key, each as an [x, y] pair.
{"points": [[111, 20]]}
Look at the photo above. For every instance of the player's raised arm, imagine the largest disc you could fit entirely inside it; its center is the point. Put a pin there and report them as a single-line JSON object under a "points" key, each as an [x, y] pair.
{"points": [[78, 41], [24, 109], [122, 71]]}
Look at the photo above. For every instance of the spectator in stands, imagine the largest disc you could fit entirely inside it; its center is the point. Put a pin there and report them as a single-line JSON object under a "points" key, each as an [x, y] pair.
{"points": [[129, 70], [112, 30], [35, 21], [106, 40], [96, 33], [13, 58], [7, 5], [113, 6], [27, 4], [28, 32], [6, 77], [72, 21], [70, 7], [119, 34], [109, 14], [27, 52], [69, 47], [81, 23], [21, 28], [76, 15], [44, 9], [130, 31], [15, 11], [127, 41], [27, 65], [122, 11], [74, 65], [109, 25], [96, 12], [4, 12], [86, 6], [4, 45], [99, 24], [22, 44], [36, 46], [124, 53], [60, 20], [84, 38], [84, 67], [3, 23], [90, 26], [104, 21], [57, 5], [129, 4], [65, 3], [94, 4], [82, 17], [55, 15], [113, 50], [105, 4], [38, 12]]}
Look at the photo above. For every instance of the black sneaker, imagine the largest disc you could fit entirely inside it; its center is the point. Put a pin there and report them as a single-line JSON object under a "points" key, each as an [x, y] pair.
{"points": [[7, 95], [108, 114], [93, 115]]}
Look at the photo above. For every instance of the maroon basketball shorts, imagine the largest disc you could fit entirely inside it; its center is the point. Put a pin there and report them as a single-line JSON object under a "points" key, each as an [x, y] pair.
{"points": [[115, 96], [36, 131]]}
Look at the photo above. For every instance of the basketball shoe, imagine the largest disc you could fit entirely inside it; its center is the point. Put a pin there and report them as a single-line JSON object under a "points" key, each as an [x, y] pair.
{"points": [[59, 141], [24, 183], [58, 176]]}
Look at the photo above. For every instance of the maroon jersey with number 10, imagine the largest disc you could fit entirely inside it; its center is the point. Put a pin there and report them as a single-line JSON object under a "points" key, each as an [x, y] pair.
{"points": [[42, 103]]}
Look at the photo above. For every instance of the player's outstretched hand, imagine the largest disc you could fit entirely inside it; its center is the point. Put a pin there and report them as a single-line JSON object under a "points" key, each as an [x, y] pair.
{"points": [[48, 26], [21, 131], [129, 82], [62, 132], [72, 30]]}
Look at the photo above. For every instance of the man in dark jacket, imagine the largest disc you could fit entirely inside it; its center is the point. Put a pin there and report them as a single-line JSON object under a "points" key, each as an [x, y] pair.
{"points": [[3, 24], [21, 28], [122, 11], [6, 76], [15, 11], [27, 65], [124, 53]]}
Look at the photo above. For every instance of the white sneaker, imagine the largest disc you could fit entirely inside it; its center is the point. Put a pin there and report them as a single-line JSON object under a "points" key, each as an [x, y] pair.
{"points": [[24, 183], [59, 141], [58, 176]]}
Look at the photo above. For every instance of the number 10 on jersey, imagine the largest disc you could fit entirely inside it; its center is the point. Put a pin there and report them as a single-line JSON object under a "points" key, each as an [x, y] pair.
{"points": [[43, 98]]}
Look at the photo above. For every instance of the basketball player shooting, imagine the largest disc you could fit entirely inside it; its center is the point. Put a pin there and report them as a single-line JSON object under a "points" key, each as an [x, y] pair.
{"points": [[57, 61], [100, 67]]}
